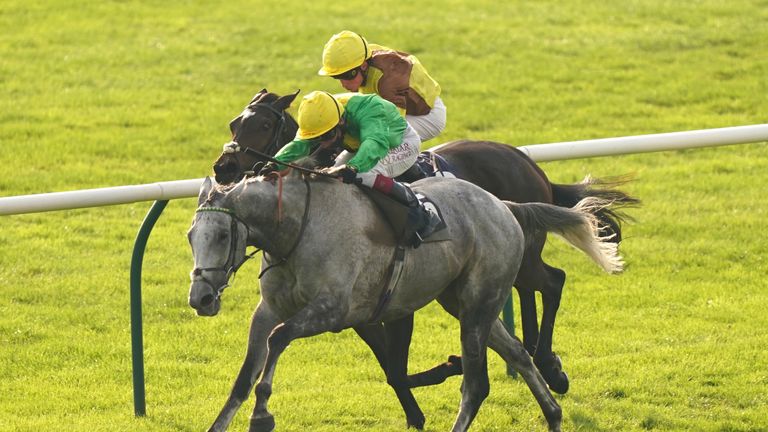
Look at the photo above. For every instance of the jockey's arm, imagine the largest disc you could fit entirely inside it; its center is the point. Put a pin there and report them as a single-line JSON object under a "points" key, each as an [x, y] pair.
{"points": [[381, 129], [295, 149]]}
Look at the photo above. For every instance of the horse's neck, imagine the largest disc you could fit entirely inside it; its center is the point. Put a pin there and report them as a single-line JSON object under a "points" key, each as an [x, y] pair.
{"points": [[336, 212], [289, 131], [274, 216]]}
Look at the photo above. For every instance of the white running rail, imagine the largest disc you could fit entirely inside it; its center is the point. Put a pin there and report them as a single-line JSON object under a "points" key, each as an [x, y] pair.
{"points": [[539, 152]]}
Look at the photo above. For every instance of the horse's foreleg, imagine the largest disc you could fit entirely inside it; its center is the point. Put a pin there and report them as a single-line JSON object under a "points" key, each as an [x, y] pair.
{"points": [[437, 374], [513, 352], [528, 318], [322, 315], [398, 336], [373, 336], [262, 323]]}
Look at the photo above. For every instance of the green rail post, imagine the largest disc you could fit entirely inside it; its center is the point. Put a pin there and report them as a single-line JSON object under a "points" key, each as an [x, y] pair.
{"points": [[137, 339], [509, 323]]}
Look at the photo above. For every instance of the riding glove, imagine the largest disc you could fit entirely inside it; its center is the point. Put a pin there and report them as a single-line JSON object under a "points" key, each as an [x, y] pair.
{"points": [[348, 175], [269, 167]]}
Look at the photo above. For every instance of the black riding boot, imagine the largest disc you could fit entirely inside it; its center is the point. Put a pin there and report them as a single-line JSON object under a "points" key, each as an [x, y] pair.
{"points": [[422, 219]]}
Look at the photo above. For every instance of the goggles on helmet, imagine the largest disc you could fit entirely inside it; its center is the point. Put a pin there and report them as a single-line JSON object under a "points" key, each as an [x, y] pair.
{"points": [[348, 75], [326, 136]]}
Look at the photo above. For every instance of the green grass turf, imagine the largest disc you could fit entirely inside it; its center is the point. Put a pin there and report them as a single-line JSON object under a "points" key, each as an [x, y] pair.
{"points": [[97, 94]]}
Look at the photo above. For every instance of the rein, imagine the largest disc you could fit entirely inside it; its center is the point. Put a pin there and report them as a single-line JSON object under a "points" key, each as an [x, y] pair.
{"points": [[304, 220], [232, 270], [234, 147], [267, 155]]}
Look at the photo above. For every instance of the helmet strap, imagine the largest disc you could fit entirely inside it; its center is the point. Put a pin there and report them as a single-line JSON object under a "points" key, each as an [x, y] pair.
{"points": [[363, 68]]}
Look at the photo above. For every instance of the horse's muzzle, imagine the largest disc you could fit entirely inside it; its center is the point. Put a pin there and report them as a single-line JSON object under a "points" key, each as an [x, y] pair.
{"points": [[227, 169], [204, 299]]}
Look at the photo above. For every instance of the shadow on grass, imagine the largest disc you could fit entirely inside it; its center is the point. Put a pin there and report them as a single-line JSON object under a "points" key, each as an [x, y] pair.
{"points": [[583, 422]]}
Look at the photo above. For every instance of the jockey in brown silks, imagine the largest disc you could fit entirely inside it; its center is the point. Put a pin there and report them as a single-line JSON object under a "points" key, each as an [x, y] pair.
{"points": [[394, 75]]}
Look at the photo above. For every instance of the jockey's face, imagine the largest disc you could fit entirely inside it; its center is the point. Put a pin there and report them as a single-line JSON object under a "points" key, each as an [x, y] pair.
{"points": [[327, 146], [353, 84]]}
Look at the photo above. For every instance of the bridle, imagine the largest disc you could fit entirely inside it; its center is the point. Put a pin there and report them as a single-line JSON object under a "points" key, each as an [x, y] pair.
{"points": [[234, 147], [228, 269], [230, 266]]}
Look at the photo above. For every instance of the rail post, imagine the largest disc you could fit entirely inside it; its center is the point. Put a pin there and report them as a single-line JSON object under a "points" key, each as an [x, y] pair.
{"points": [[137, 339], [509, 323]]}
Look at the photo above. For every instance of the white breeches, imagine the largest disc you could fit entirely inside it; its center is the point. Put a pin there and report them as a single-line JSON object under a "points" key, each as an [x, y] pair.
{"points": [[397, 161], [430, 125]]}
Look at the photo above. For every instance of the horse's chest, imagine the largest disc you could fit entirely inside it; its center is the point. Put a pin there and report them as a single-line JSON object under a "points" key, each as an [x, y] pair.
{"points": [[286, 300]]}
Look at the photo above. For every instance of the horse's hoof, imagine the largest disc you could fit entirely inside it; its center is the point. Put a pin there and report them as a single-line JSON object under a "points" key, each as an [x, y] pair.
{"points": [[417, 424], [561, 384], [551, 369], [454, 365], [262, 424]]}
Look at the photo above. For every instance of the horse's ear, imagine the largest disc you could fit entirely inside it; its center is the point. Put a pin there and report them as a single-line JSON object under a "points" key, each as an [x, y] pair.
{"points": [[205, 189], [258, 96], [233, 124], [284, 102]]}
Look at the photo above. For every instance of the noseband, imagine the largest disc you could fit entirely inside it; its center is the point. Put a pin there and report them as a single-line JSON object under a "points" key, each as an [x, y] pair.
{"points": [[234, 267], [234, 147]]}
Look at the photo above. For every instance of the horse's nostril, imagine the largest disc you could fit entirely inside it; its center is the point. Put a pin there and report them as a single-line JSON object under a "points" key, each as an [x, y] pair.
{"points": [[225, 168], [206, 300]]}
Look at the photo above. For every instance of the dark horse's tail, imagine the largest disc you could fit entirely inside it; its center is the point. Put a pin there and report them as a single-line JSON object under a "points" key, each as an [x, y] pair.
{"points": [[610, 217]]}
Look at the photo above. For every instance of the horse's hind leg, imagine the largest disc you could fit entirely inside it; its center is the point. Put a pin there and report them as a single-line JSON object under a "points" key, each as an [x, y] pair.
{"points": [[390, 344], [513, 352], [537, 275], [262, 323], [475, 386]]}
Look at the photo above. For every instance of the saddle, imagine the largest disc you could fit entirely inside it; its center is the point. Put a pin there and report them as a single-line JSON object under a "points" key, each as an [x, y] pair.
{"points": [[401, 218], [428, 164]]}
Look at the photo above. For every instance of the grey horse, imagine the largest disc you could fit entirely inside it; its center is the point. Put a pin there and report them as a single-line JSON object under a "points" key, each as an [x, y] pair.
{"points": [[335, 250]]}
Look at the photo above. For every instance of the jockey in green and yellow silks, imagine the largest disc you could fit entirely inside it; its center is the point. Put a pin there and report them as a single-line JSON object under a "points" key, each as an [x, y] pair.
{"points": [[371, 129], [378, 146]]}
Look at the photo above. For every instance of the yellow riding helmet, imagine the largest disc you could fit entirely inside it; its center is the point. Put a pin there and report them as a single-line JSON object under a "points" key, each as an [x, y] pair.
{"points": [[344, 51], [319, 112]]}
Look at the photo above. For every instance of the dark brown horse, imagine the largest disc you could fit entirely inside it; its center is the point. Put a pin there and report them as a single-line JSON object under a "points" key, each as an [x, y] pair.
{"points": [[498, 168]]}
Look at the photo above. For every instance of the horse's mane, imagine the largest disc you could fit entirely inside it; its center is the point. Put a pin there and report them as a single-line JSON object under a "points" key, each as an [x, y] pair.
{"points": [[217, 192], [309, 162]]}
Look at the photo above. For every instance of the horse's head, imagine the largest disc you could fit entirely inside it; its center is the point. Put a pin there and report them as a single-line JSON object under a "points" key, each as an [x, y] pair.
{"points": [[218, 239], [263, 126]]}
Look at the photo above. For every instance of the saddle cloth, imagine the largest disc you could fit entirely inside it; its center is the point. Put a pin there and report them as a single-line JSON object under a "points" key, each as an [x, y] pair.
{"points": [[396, 214]]}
